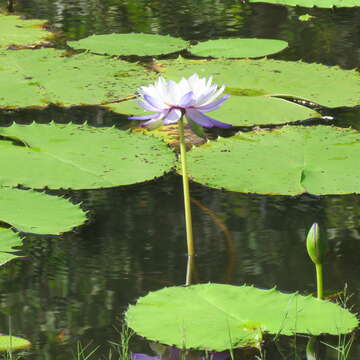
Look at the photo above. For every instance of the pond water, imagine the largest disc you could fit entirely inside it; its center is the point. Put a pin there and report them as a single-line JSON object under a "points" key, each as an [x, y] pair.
{"points": [[75, 288]]}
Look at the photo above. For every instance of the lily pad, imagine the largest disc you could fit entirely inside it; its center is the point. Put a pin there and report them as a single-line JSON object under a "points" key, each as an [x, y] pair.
{"points": [[238, 48], [17, 31], [276, 78], [13, 343], [34, 212], [130, 44], [219, 317], [45, 76], [312, 3], [261, 110], [8, 240], [79, 157], [289, 161]]}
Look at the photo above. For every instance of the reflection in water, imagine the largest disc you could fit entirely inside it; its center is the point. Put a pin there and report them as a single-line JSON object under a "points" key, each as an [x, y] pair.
{"points": [[78, 286]]}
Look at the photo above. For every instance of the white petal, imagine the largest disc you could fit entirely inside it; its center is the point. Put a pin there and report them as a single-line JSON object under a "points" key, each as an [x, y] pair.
{"points": [[220, 91], [172, 116], [173, 95]]}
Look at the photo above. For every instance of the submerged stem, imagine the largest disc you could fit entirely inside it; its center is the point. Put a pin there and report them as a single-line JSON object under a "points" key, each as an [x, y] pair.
{"points": [[186, 190], [319, 281]]}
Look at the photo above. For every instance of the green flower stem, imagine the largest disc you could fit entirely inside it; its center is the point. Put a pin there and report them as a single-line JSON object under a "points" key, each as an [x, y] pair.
{"points": [[188, 220], [319, 281]]}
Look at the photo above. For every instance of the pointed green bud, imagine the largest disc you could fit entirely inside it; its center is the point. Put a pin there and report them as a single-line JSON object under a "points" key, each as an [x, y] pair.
{"points": [[316, 245]]}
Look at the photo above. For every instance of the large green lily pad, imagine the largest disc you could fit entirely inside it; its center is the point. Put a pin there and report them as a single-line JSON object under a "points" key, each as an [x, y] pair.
{"points": [[130, 44], [17, 31], [42, 77], [79, 157], [219, 317], [8, 240], [289, 161], [34, 212], [238, 48], [9, 342], [242, 110], [261, 110], [312, 3], [312, 82]]}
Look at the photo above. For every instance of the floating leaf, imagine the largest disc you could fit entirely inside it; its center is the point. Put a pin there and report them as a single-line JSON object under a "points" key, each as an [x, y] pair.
{"points": [[130, 44], [276, 78], [312, 3], [238, 48], [43, 77], [289, 161], [219, 317], [79, 157], [35, 212], [8, 240], [261, 110], [13, 343], [17, 31]]}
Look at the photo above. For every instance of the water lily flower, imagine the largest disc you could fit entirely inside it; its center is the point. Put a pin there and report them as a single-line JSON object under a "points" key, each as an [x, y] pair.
{"points": [[169, 101]]}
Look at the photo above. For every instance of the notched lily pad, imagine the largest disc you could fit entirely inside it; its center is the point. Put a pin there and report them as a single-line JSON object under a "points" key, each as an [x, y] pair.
{"points": [[46, 76], [276, 78], [34, 212], [219, 317], [79, 157], [8, 240], [238, 48], [289, 161], [20, 32], [312, 3], [130, 44]]}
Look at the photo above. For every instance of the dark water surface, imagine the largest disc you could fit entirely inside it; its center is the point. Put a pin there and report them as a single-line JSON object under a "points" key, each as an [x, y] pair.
{"points": [[76, 287]]}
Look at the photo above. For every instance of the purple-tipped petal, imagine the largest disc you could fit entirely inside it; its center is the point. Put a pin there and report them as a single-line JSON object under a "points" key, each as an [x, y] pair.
{"points": [[152, 124], [199, 118], [213, 105], [187, 100], [146, 106], [158, 105], [220, 124], [205, 121], [172, 116], [145, 117]]}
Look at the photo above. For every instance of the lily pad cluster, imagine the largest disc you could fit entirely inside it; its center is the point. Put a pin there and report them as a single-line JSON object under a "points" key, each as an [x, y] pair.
{"points": [[61, 153], [153, 45], [41, 77], [29, 211]]}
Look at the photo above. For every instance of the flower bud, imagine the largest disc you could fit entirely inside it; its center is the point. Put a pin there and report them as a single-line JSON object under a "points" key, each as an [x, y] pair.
{"points": [[316, 245]]}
